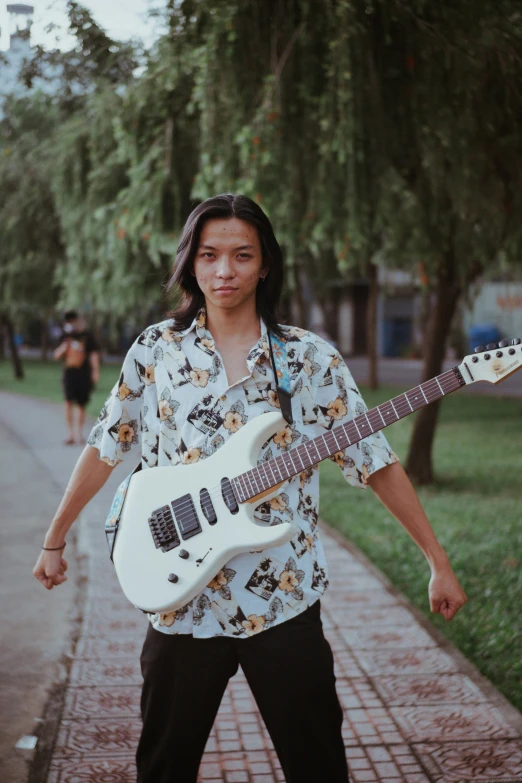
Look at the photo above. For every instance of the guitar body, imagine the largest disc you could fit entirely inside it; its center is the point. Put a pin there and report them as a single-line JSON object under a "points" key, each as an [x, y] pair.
{"points": [[143, 569], [172, 539]]}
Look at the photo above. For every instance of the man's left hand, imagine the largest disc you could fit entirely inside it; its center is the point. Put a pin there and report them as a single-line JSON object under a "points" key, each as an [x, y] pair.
{"points": [[445, 593]]}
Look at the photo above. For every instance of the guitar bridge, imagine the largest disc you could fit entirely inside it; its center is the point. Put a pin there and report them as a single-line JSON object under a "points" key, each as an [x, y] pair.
{"points": [[163, 530]]}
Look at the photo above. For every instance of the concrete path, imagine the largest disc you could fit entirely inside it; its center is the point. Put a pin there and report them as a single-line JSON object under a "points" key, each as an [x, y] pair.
{"points": [[415, 710]]}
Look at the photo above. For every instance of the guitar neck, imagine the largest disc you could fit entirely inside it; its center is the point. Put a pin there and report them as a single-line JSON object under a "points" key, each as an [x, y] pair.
{"points": [[278, 469]]}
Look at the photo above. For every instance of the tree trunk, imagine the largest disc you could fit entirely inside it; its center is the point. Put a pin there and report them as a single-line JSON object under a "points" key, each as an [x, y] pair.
{"points": [[17, 364], [44, 340], [300, 304], [331, 313], [2, 339], [371, 326], [419, 465]]}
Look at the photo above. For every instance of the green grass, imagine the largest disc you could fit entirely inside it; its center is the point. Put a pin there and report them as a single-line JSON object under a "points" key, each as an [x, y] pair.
{"points": [[44, 379], [474, 508]]}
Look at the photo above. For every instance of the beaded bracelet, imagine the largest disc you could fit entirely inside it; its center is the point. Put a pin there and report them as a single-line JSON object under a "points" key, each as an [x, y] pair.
{"points": [[54, 548]]}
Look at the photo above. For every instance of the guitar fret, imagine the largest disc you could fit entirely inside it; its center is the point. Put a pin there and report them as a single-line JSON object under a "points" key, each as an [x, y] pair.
{"points": [[415, 398], [332, 432], [239, 491], [242, 484], [262, 469], [254, 473], [277, 463], [290, 463], [317, 450], [250, 483], [300, 460], [269, 466]]}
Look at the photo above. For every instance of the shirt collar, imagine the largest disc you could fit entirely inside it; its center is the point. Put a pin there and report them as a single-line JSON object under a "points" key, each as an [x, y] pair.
{"points": [[256, 353]]}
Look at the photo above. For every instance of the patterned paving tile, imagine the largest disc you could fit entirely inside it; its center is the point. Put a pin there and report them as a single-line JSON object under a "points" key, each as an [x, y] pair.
{"points": [[401, 661], [427, 689], [111, 702], [90, 739], [404, 701], [335, 597], [120, 671], [380, 764], [109, 649], [107, 770], [129, 623], [473, 762], [357, 692], [373, 617], [373, 638], [452, 722], [370, 726]]}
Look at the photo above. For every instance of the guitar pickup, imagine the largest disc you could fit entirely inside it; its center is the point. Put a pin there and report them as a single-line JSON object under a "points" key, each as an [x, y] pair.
{"points": [[163, 529], [186, 516]]}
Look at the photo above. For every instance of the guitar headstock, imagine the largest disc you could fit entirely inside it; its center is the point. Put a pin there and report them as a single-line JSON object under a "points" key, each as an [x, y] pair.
{"points": [[493, 362]]}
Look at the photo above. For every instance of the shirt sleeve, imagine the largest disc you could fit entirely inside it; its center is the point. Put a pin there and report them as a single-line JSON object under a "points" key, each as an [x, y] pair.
{"points": [[339, 401], [117, 431]]}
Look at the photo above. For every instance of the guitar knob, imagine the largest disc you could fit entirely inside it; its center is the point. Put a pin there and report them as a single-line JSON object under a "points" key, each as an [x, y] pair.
{"points": [[173, 578], [491, 346], [479, 349], [498, 354], [511, 351], [183, 553], [515, 341], [503, 344]]}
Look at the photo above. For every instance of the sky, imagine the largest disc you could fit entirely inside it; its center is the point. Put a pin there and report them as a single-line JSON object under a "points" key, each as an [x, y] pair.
{"points": [[122, 19]]}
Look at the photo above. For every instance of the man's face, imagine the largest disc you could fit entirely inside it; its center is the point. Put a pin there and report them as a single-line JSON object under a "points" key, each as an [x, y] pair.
{"points": [[228, 262]]}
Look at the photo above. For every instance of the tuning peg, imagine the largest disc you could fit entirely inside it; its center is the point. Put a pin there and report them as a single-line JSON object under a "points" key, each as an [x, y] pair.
{"points": [[515, 341], [491, 346], [503, 344], [479, 349]]}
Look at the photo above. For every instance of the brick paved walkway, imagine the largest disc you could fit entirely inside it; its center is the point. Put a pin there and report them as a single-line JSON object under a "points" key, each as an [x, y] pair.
{"points": [[413, 713], [416, 711]]}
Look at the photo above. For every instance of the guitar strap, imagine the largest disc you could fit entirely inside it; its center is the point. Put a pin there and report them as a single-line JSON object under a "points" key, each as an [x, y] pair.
{"points": [[282, 377]]}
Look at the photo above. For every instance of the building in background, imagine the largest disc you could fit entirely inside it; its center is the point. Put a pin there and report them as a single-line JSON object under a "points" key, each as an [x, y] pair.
{"points": [[20, 52]]}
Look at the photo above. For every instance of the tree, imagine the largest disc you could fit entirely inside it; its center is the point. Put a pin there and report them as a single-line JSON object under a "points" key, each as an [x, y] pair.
{"points": [[446, 90], [31, 247]]}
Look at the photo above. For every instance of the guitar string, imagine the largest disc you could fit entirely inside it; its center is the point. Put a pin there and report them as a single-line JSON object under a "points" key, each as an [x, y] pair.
{"points": [[215, 492]]}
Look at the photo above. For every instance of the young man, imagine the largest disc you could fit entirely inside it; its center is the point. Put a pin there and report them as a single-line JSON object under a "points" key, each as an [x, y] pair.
{"points": [[187, 385], [81, 372]]}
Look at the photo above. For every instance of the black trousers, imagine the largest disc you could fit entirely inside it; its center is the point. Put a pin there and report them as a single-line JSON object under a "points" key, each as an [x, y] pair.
{"points": [[290, 671]]}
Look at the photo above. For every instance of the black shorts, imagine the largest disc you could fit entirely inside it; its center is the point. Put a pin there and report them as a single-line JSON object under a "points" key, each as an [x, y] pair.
{"points": [[77, 386]]}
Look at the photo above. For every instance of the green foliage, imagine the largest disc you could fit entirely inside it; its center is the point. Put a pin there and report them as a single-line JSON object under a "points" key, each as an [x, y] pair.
{"points": [[365, 128]]}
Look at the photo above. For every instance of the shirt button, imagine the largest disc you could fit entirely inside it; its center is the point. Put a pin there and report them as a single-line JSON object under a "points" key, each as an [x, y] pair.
{"points": [[222, 398]]}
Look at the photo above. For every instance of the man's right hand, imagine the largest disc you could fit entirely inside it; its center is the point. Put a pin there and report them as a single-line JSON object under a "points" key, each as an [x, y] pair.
{"points": [[50, 569]]}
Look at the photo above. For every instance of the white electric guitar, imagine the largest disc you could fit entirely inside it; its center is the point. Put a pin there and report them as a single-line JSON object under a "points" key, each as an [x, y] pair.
{"points": [[178, 526]]}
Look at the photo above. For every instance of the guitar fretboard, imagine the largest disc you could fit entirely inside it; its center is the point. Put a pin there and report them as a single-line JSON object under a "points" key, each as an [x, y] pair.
{"points": [[273, 471]]}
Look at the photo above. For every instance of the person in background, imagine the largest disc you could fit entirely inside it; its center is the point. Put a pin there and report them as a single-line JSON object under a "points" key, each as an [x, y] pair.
{"points": [[81, 357]]}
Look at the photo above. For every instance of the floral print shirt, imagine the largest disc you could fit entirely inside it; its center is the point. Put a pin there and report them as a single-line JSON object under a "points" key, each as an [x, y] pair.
{"points": [[172, 405]]}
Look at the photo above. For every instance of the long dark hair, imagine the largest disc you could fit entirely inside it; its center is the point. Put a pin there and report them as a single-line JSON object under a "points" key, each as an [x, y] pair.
{"points": [[268, 293]]}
